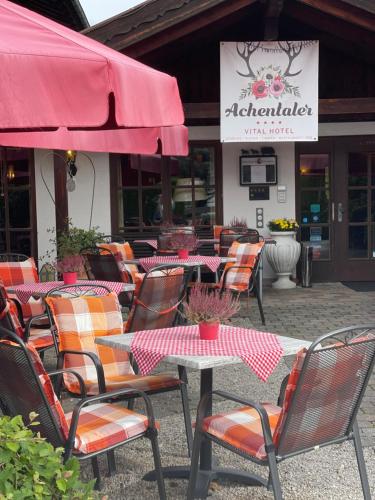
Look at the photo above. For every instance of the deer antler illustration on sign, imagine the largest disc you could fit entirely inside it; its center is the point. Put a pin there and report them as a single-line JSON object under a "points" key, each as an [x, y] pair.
{"points": [[269, 80]]}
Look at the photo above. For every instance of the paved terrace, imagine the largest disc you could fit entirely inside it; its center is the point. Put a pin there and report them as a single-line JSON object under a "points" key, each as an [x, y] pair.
{"points": [[329, 473]]}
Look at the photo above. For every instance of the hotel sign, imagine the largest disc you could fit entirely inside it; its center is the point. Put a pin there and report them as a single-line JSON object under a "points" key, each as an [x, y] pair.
{"points": [[269, 91]]}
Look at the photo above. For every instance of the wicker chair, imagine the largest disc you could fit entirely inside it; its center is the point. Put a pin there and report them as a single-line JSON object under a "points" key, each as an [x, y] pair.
{"points": [[164, 238], [13, 257], [242, 275], [103, 368], [41, 338], [101, 264], [93, 427], [317, 407], [227, 236]]}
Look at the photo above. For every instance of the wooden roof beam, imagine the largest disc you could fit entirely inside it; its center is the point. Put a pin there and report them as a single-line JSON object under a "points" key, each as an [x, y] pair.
{"points": [[344, 11], [349, 106], [272, 13]]}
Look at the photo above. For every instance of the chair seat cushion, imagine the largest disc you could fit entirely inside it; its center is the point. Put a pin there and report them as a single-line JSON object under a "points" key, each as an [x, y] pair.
{"points": [[143, 383], [242, 428], [41, 338], [103, 425]]}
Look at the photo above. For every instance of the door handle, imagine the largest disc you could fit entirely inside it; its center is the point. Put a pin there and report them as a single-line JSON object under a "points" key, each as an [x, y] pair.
{"points": [[340, 212]]}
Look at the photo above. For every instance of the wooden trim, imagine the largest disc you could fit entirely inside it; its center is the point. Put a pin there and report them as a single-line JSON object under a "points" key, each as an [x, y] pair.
{"points": [[114, 167], [33, 219], [352, 106], [158, 35], [344, 11], [61, 193]]}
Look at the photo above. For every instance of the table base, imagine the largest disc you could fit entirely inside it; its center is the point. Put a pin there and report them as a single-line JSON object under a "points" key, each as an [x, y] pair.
{"points": [[205, 477]]}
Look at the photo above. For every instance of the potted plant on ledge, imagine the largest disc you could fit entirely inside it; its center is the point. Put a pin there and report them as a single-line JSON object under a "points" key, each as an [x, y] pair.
{"points": [[283, 256], [208, 308], [183, 243]]}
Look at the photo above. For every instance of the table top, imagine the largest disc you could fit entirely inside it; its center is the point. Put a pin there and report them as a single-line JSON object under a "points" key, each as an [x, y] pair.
{"points": [[123, 342]]}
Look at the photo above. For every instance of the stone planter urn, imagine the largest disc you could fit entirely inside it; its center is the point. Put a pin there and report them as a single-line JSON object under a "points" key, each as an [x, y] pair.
{"points": [[283, 257]]}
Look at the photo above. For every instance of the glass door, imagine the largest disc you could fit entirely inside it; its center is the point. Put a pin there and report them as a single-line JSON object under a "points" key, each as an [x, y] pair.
{"points": [[355, 209]]}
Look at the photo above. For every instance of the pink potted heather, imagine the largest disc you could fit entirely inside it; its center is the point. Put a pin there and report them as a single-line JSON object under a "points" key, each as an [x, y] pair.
{"points": [[69, 266], [183, 243], [208, 308]]}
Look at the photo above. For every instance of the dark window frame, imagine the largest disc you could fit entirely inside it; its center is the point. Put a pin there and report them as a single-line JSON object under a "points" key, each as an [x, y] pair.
{"points": [[116, 188]]}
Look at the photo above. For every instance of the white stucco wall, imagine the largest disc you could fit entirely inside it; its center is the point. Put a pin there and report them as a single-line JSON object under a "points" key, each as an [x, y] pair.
{"points": [[79, 201], [45, 207]]}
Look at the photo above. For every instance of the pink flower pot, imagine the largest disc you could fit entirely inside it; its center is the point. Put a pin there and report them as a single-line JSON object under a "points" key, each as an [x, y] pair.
{"points": [[208, 331], [70, 278], [183, 253]]}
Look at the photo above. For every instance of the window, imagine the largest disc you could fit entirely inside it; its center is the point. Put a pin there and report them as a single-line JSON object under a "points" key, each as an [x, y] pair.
{"points": [[17, 202], [151, 190]]}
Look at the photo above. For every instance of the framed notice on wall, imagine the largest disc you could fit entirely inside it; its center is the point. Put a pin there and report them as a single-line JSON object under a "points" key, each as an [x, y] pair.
{"points": [[258, 170]]}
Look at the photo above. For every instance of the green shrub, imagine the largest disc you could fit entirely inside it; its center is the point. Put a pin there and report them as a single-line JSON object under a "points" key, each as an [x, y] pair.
{"points": [[31, 468]]}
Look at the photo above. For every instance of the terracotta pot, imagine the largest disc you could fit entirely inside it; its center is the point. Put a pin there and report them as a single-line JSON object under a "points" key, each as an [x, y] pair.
{"points": [[183, 253], [70, 278], [208, 331]]}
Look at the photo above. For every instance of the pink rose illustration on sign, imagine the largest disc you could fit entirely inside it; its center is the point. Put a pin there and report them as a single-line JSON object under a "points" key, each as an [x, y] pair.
{"points": [[273, 81], [259, 89], [277, 87]]}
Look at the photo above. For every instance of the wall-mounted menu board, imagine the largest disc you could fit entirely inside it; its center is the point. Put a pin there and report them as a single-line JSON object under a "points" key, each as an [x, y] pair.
{"points": [[258, 170]]}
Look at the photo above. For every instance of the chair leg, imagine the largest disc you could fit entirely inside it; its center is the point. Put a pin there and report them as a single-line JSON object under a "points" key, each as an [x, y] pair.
{"points": [[361, 462], [96, 472], [186, 409], [274, 476], [112, 469], [198, 437], [260, 305], [153, 435]]}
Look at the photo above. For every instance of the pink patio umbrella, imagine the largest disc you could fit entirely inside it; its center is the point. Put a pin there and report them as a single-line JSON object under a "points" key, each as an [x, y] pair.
{"points": [[62, 90]]}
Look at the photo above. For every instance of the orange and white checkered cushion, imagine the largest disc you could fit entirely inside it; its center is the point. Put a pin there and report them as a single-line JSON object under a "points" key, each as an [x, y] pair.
{"points": [[47, 387], [20, 273], [245, 254], [242, 428], [123, 251], [217, 231], [103, 425], [39, 338], [79, 321]]}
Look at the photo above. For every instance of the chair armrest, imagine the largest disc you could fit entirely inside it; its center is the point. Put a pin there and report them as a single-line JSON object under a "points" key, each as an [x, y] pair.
{"points": [[103, 397], [202, 413], [30, 322], [76, 374], [283, 385], [94, 358]]}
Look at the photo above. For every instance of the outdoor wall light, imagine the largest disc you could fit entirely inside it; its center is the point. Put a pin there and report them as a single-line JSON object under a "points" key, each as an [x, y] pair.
{"points": [[72, 169], [10, 173]]}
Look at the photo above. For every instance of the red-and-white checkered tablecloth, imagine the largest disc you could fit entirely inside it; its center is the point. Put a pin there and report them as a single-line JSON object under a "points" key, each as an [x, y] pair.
{"points": [[25, 292], [152, 243], [149, 263], [261, 351]]}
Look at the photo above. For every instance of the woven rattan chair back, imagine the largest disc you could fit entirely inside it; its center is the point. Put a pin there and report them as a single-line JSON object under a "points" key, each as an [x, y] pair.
{"points": [[20, 388], [100, 264], [251, 236], [227, 236], [164, 238], [328, 392], [159, 298], [13, 257]]}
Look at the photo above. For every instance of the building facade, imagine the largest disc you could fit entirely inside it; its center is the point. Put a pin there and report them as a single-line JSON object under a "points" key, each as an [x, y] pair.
{"points": [[328, 185]]}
